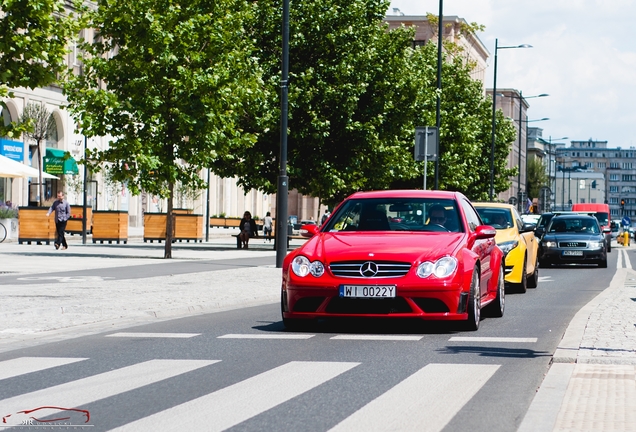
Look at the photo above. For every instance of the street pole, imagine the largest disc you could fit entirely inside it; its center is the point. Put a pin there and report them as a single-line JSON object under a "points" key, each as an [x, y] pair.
{"points": [[283, 180], [494, 126], [519, 205], [440, 33], [207, 225], [85, 193]]}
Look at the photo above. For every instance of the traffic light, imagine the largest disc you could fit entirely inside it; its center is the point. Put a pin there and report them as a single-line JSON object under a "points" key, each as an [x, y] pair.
{"points": [[622, 202], [593, 184]]}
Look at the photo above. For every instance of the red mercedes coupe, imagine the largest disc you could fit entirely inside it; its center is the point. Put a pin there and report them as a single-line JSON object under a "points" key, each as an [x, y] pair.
{"points": [[438, 262]]}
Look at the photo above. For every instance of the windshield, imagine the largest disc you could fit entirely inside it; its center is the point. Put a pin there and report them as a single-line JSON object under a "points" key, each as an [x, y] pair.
{"points": [[498, 218], [603, 218], [396, 214], [574, 226]]}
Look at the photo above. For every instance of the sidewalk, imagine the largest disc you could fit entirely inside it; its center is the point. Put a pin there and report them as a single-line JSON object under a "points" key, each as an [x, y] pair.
{"points": [[591, 384], [59, 308]]}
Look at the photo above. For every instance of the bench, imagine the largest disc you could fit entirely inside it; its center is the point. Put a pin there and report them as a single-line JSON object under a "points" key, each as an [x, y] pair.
{"points": [[289, 237]]}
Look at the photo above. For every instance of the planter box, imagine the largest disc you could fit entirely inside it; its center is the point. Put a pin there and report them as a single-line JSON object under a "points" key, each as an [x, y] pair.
{"points": [[224, 222], [110, 226], [35, 225], [11, 225], [74, 224], [186, 227], [155, 226]]}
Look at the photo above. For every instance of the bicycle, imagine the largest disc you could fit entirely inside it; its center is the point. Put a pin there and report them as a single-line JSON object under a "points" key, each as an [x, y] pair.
{"points": [[3, 232]]}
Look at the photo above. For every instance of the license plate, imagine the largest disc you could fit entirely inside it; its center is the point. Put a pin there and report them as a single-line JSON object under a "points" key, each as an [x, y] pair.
{"points": [[367, 291], [573, 253]]}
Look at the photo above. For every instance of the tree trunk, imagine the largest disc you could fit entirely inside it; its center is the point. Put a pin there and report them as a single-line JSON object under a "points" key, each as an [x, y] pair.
{"points": [[169, 223], [41, 168]]}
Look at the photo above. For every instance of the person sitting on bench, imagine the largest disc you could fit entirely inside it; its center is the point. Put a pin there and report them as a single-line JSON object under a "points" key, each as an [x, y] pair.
{"points": [[248, 229]]}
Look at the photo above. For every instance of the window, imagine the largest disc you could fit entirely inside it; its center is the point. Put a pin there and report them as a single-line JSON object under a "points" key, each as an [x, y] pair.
{"points": [[614, 177], [600, 165], [613, 189]]}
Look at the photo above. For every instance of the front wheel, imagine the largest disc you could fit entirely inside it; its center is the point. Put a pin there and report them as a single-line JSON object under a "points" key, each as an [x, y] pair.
{"points": [[496, 308], [474, 304], [533, 280], [522, 286], [3, 233]]}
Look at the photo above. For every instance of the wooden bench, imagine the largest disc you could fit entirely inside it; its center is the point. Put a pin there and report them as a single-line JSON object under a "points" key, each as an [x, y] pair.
{"points": [[289, 237]]}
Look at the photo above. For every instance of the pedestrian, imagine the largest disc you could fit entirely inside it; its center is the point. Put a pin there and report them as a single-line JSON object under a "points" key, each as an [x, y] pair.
{"points": [[248, 229], [62, 214], [325, 216], [267, 227]]}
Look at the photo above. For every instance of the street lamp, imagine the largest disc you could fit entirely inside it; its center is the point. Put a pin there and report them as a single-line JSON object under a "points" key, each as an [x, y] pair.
{"points": [[550, 152], [520, 123], [494, 114]]}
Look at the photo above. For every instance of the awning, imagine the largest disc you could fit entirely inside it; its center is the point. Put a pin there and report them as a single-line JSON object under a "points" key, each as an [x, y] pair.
{"points": [[12, 169], [58, 162]]}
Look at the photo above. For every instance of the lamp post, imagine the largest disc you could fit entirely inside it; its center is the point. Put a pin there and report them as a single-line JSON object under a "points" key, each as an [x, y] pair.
{"points": [[521, 98], [519, 204], [550, 152], [494, 114]]}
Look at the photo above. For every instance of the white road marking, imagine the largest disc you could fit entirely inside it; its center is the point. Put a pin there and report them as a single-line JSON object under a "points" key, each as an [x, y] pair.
{"points": [[377, 337], [491, 339], [66, 278], [86, 390], [25, 365], [234, 404], [267, 336], [545, 279], [628, 264], [425, 401], [154, 335]]}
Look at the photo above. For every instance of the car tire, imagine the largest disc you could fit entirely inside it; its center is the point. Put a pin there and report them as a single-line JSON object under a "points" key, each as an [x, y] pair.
{"points": [[291, 324], [496, 308], [474, 304], [545, 264], [522, 286], [533, 280], [603, 264], [609, 246]]}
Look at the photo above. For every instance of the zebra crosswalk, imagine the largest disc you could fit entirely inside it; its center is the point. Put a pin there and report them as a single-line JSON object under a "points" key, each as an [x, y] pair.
{"points": [[427, 399]]}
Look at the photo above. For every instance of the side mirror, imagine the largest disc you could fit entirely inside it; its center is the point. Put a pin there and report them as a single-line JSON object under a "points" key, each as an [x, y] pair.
{"points": [[485, 232], [309, 230], [527, 227]]}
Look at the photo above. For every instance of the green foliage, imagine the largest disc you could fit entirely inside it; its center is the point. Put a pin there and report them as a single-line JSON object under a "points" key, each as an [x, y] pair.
{"points": [[8, 213], [350, 100], [537, 177], [180, 76], [34, 36]]}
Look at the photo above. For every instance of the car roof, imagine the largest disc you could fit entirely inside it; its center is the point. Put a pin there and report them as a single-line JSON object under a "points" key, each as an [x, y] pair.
{"points": [[572, 216], [493, 205], [406, 193]]}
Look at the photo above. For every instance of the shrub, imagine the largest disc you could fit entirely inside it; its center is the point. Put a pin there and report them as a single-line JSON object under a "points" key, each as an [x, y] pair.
{"points": [[8, 213]]}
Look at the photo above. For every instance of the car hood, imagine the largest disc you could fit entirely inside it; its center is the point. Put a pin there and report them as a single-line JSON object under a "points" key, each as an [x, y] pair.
{"points": [[504, 235], [565, 237], [402, 246]]}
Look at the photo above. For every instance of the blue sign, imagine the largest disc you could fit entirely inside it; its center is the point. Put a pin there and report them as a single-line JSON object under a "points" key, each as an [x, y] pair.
{"points": [[626, 221], [12, 149]]}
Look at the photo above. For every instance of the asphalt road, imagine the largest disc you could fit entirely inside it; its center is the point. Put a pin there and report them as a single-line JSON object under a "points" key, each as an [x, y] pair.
{"points": [[240, 370]]}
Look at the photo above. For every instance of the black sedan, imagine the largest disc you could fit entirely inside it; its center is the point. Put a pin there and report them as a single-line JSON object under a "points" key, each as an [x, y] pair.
{"points": [[573, 239]]}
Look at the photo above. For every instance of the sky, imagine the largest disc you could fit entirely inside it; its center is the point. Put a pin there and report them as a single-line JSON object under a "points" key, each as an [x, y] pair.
{"points": [[583, 55]]}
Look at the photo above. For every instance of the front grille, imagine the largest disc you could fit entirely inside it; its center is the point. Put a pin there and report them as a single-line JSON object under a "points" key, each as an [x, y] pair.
{"points": [[339, 305], [572, 244], [368, 269]]}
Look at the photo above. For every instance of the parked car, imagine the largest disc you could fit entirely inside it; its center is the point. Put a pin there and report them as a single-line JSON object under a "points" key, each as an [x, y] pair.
{"points": [[530, 218], [573, 239], [518, 242], [442, 264], [602, 213]]}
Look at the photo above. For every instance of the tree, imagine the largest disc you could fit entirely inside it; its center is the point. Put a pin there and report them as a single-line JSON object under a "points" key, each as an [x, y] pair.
{"points": [[537, 177], [34, 35], [180, 75], [350, 101], [41, 125]]}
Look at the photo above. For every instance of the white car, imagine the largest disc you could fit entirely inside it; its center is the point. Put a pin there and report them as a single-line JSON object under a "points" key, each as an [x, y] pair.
{"points": [[530, 218]]}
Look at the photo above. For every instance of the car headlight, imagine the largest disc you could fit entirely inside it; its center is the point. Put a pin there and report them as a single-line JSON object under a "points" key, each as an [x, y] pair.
{"points": [[549, 244], [442, 268], [507, 246], [301, 266], [595, 245]]}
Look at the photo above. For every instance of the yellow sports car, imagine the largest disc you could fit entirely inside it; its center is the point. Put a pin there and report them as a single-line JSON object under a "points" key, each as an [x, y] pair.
{"points": [[517, 241]]}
